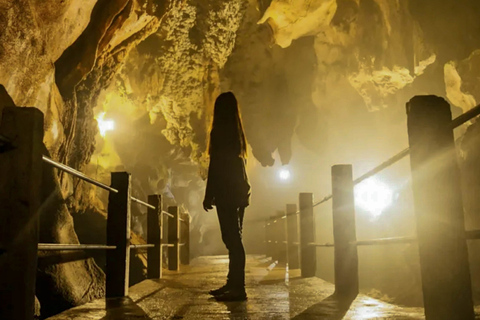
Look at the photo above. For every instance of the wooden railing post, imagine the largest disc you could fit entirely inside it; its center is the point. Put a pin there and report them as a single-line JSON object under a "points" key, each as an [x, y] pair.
{"points": [[20, 199], [273, 238], [268, 238], [447, 291], [173, 233], [118, 234], [344, 232], [185, 249], [308, 256], [282, 237], [154, 236], [278, 234], [293, 253]]}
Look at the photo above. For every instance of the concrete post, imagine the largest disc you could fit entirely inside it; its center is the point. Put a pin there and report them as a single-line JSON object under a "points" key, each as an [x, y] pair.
{"points": [[293, 251], [447, 291], [20, 199], [118, 234], [344, 232], [308, 256], [154, 236], [173, 233]]}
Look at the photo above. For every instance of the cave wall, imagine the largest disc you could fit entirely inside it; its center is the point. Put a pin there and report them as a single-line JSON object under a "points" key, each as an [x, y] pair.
{"points": [[316, 73]]}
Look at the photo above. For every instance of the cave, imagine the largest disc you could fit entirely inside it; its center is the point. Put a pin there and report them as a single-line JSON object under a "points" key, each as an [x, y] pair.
{"points": [[130, 86]]}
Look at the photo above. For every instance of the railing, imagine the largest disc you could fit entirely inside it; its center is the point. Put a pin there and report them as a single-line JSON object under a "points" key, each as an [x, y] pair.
{"points": [[118, 232], [21, 147], [437, 196]]}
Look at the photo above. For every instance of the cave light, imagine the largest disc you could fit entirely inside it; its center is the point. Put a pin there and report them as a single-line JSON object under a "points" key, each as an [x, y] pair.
{"points": [[373, 196], [284, 174], [104, 125]]}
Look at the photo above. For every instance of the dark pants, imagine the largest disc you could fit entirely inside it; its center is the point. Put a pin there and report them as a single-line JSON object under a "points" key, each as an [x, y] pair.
{"points": [[231, 224]]}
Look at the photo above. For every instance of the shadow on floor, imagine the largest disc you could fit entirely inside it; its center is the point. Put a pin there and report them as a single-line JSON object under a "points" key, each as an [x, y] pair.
{"points": [[331, 308], [125, 309]]}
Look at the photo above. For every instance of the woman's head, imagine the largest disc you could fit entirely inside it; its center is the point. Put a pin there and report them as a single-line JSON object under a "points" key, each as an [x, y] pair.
{"points": [[227, 133]]}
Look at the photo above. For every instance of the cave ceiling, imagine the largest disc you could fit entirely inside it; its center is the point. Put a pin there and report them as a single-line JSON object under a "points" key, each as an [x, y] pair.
{"points": [[157, 67]]}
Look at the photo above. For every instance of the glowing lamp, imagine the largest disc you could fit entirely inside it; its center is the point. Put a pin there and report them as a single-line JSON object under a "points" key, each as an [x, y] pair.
{"points": [[284, 174], [373, 196], [104, 125]]}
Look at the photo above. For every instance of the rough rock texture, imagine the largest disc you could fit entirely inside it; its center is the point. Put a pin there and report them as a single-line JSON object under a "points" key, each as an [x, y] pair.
{"points": [[36, 35], [65, 279], [321, 72], [274, 100]]}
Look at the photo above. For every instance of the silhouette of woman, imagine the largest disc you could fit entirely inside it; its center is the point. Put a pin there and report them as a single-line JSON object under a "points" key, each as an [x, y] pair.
{"points": [[228, 189]]}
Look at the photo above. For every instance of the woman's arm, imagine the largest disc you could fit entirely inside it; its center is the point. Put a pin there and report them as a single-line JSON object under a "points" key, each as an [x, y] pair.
{"points": [[209, 195]]}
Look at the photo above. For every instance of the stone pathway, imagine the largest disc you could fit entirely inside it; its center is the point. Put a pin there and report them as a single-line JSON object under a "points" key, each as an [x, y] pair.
{"points": [[272, 295]]}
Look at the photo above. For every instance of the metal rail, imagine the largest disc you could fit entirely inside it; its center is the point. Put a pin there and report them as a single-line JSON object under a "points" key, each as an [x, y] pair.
{"points": [[170, 245], [141, 246], [61, 246], [327, 245], [82, 176], [143, 203], [384, 241], [458, 121], [168, 214], [78, 174], [467, 116]]}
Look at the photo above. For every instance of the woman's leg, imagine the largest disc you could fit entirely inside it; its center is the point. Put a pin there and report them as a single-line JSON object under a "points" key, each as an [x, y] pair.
{"points": [[231, 220]]}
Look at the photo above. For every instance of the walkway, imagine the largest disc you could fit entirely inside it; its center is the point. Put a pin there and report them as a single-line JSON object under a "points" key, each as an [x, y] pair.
{"points": [[184, 295]]}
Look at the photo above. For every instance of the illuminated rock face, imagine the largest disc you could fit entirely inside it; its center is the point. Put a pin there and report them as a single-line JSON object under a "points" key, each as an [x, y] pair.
{"points": [[297, 67]]}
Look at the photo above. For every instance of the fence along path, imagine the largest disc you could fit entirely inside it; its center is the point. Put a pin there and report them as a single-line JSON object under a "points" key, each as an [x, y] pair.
{"points": [[447, 291], [21, 145]]}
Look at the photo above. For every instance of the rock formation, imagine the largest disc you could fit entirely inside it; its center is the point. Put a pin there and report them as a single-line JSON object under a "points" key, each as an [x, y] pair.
{"points": [[299, 68]]}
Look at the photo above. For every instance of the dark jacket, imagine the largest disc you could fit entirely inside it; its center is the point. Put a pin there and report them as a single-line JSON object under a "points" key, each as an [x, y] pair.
{"points": [[227, 183]]}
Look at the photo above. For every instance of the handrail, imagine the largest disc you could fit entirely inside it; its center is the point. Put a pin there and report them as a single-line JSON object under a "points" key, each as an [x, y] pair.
{"points": [[381, 241], [168, 214], [143, 203], [458, 121], [313, 244], [142, 246], [82, 176], [464, 117], [78, 174], [61, 246]]}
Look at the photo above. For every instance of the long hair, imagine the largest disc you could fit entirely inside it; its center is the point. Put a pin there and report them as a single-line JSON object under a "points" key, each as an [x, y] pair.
{"points": [[226, 133]]}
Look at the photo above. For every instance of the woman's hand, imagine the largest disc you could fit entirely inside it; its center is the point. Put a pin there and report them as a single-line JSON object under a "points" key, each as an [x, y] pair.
{"points": [[207, 205]]}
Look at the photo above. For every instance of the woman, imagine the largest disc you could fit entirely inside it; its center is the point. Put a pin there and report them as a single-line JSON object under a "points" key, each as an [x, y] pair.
{"points": [[228, 189]]}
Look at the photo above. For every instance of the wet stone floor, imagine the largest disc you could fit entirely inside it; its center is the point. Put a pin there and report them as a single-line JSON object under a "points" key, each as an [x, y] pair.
{"points": [[271, 295]]}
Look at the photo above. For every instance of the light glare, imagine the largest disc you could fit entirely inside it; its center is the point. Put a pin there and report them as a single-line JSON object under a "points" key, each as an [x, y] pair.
{"points": [[373, 196], [104, 125], [284, 174]]}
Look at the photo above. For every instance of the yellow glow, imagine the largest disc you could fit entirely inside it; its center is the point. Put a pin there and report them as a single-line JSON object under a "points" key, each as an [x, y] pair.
{"points": [[104, 125], [284, 174], [373, 196]]}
